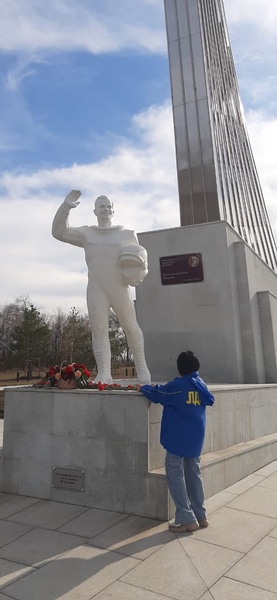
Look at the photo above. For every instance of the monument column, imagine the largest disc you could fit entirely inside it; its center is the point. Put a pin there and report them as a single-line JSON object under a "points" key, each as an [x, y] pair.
{"points": [[212, 285], [217, 176]]}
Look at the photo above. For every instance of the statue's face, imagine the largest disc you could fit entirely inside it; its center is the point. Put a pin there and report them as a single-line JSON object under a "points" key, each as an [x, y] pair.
{"points": [[103, 207]]}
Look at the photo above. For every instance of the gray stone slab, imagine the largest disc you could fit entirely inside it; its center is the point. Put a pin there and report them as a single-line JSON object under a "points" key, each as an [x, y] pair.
{"points": [[77, 575], [11, 504], [235, 590], [92, 522], [47, 514], [211, 561], [218, 500], [245, 484], [268, 469], [259, 500], [9, 475], [125, 591], [270, 482], [273, 533], [11, 531], [135, 536], [170, 572], [34, 478], [39, 546], [11, 571], [234, 529], [258, 567]]}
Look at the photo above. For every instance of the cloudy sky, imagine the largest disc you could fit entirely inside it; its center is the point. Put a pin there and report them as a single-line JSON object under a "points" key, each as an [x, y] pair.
{"points": [[85, 104]]}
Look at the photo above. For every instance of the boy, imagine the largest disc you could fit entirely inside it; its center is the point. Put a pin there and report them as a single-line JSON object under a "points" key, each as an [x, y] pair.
{"points": [[182, 435]]}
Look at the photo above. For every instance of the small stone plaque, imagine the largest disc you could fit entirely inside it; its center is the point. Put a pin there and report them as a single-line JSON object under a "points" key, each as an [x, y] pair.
{"points": [[181, 268], [69, 479]]}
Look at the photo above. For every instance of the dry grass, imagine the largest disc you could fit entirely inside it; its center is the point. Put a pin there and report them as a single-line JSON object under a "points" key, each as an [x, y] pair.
{"points": [[10, 378]]}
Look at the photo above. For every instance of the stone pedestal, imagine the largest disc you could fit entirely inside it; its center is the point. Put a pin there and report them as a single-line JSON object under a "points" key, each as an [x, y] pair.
{"points": [[104, 434], [110, 442], [229, 318]]}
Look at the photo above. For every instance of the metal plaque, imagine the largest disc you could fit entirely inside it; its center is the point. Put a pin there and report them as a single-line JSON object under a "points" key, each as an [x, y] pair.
{"points": [[68, 479], [181, 268]]}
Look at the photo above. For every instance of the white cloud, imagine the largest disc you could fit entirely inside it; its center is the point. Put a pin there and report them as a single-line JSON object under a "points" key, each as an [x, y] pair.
{"points": [[258, 12], [33, 27], [140, 179], [263, 134]]}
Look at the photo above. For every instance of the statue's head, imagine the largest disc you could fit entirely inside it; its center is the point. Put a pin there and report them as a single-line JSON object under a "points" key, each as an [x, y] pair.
{"points": [[103, 207]]}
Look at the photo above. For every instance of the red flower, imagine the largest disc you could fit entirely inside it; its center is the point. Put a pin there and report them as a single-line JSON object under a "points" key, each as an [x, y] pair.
{"points": [[101, 387], [68, 369]]}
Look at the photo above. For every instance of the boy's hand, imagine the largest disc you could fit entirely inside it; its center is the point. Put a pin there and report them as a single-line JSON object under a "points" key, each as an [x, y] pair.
{"points": [[138, 386]]}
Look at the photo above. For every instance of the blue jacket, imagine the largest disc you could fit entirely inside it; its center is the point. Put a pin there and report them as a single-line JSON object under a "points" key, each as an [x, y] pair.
{"points": [[184, 415]]}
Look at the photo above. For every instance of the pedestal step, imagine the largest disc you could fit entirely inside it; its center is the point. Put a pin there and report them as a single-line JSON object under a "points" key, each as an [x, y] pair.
{"points": [[225, 467]]}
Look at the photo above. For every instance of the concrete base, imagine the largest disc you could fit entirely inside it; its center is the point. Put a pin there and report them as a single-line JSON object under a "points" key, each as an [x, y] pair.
{"points": [[229, 319], [114, 438]]}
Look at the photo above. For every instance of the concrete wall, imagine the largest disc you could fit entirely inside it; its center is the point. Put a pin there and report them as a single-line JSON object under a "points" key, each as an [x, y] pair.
{"points": [[218, 318], [104, 434], [268, 317], [114, 439]]}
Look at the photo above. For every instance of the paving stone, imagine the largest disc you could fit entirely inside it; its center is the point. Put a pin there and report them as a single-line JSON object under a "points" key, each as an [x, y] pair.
{"points": [[48, 514], [235, 590], [12, 503], [245, 484], [211, 562], [235, 529], [39, 546], [11, 571], [92, 522], [11, 531], [258, 567], [270, 482], [217, 501], [125, 591], [259, 500], [78, 574], [268, 469], [135, 536], [169, 572]]}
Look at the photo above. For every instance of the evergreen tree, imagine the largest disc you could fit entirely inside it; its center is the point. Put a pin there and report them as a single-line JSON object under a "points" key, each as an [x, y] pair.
{"points": [[31, 339]]}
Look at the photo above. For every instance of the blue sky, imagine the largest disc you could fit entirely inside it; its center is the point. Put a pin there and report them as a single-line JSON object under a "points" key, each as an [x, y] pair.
{"points": [[85, 103]]}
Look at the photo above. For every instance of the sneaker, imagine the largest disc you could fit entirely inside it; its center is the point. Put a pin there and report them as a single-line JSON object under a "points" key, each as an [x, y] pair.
{"points": [[204, 523], [182, 527]]}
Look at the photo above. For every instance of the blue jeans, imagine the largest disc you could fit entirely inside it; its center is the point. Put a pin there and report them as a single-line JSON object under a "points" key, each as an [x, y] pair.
{"points": [[185, 484]]}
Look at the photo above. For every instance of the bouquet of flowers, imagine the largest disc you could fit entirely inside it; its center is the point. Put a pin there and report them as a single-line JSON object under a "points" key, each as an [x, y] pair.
{"points": [[81, 375], [67, 372]]}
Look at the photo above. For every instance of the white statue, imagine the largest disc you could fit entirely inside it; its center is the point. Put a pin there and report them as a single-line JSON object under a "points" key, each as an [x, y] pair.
{"points": [[115, 261]]}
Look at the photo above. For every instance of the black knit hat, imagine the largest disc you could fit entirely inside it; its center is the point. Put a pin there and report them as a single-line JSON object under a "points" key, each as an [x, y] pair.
{"points": [[187, 362]]}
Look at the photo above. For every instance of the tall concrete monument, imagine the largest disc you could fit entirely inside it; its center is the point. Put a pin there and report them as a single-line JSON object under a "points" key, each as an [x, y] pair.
{"points": [[212, 281], [217, 176]]}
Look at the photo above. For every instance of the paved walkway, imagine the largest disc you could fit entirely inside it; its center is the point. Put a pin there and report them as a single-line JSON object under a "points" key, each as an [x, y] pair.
{"points": [[50, 550]]}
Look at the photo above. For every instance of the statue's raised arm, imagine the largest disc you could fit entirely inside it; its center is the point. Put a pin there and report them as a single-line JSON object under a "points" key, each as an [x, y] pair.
{"points": [[60, 228]]}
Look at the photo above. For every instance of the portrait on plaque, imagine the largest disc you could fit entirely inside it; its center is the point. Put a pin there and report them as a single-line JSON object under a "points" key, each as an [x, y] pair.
{"points": [[181, 268]]}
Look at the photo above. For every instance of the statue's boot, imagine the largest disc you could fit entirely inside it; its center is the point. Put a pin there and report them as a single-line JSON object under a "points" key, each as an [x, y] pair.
{"points": [[143, 373], [103, 361]]}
